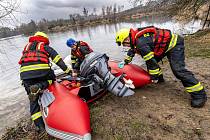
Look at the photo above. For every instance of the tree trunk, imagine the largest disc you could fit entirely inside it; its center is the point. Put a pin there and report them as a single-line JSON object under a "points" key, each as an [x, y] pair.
{"points": [[206, 20]]}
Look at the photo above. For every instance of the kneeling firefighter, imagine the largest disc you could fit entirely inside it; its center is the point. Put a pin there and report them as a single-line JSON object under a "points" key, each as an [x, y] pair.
{"points": [[153, 44], [95, 68], [36, 73], [79, 49]]}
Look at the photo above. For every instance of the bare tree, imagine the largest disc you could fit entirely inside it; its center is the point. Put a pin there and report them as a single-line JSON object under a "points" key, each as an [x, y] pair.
{"points": [[94, 11], [189, 9], [115, 8], [85, 12], [119, 8], [207, 22], [103, 11], [109, 10], [42, 25], [122, 7], [8, 9], [135, 2]]}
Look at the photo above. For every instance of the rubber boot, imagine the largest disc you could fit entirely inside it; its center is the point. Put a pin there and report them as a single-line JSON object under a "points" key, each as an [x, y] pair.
{"points": [[198, 100], [40, 126], [160, 79], [40, 131]]}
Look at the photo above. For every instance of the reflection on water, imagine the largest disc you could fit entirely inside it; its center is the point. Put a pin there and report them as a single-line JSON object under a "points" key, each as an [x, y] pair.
{"points": [[13, 99]]}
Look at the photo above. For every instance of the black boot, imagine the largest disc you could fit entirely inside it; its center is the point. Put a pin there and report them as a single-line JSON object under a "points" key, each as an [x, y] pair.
{"points": [[160, 79], [40, 132], [40, 129], [40, 126], [198, 100]]}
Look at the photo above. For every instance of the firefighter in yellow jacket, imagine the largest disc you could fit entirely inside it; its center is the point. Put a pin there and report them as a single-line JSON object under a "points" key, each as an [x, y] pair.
{"points": [[36, 73]]}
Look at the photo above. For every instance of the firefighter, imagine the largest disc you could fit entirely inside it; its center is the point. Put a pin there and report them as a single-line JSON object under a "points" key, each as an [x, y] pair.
{"points": [[153, 44], [36, 73], [79, 49]]}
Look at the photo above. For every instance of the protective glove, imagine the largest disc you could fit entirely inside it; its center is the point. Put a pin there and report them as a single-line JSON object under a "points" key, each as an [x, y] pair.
{"points": [[129, 83], [35, 90], [155, 81], [74, 74], [69, 71], [121, 65]]}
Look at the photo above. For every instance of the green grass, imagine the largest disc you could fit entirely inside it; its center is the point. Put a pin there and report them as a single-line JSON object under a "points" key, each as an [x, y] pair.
{"points": [[198, 45]]}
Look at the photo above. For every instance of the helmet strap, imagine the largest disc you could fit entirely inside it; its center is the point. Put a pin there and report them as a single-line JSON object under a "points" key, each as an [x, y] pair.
{"points": [[78, 44]]}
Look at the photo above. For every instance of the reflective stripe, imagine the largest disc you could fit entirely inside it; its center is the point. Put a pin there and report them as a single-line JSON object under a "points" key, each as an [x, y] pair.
{"points": [[56, 59], [197, 87], [67, 70], [146, 35], [73, 61], [148, 56], [27, 46], [156, 71], [172, 42], [129, 58], [36, 116], [49, 82], [160, 72], [34, 67], [39, 46], [73, 56]]}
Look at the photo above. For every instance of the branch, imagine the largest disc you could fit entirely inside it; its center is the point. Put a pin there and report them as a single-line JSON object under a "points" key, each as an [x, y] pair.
{"points": [[206, 17]]}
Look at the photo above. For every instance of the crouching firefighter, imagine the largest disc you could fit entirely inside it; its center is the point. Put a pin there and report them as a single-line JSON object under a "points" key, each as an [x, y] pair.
{"points": [[36, 73], [79, 49], [95, 68], [153, 44]]}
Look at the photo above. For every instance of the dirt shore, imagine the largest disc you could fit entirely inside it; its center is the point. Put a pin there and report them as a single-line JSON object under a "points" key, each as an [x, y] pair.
{"points": [[155, 112]]}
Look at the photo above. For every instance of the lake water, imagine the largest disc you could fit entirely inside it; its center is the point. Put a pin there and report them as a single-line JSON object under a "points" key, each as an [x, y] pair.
{"points": [[13, 99]]}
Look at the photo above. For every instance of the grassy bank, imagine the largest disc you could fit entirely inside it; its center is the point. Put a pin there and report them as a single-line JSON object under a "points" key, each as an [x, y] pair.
{"points": [[198, 44]]}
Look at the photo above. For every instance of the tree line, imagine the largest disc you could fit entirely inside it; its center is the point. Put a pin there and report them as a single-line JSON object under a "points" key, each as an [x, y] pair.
{"points": [[73, 20], [110, 13]]}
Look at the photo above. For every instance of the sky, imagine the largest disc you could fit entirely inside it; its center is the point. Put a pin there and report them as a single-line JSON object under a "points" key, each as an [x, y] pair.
{"points": [[54, 9]]}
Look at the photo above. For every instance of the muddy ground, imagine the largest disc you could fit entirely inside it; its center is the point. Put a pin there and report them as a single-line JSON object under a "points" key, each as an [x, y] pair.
{"points": [[155, 112]]}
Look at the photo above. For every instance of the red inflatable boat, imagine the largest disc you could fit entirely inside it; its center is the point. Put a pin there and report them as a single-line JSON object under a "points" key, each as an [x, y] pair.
{"points": [[66, 114], [133, 72]]}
